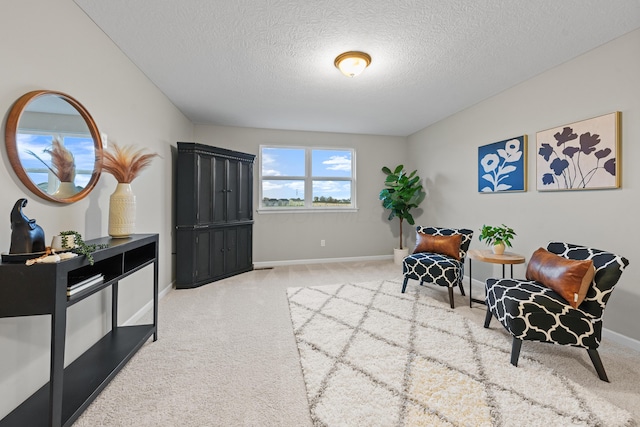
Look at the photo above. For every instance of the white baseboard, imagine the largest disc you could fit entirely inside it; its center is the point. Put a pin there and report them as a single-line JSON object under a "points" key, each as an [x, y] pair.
{"points": [[147, 307], [478, 287], [621, 339], [266, 264]]}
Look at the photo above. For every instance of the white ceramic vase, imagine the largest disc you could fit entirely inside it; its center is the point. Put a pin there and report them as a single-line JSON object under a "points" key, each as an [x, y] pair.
{"points": [[399, 255], [498, 249], [122, 211], [65, 189]]}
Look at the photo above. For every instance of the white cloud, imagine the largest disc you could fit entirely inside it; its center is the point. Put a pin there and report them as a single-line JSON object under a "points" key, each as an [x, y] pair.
{"points": [[30, 142], [338, 189], [271, 185], [338, 163], [268, 164], [282, 189], [295, 185]]}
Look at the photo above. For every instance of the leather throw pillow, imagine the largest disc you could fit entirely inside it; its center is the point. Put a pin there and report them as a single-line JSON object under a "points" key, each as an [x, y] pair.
{"points": [[444, 245], [569, 278]]}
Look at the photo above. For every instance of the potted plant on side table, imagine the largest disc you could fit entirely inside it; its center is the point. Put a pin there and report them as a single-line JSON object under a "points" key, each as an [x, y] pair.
{"points": [[402, 193], [497, 236]]}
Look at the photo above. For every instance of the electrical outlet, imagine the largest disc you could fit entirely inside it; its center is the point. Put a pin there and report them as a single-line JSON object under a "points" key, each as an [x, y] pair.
{"points": [[322, 243]]}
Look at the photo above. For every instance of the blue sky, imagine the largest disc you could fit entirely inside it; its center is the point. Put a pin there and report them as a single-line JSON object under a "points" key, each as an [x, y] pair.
{"points": [[82, 148], [290, 162]]}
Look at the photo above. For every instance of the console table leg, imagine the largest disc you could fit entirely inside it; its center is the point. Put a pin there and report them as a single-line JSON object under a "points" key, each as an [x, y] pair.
{"points": [[155, 297], [58, 335], [114, 306], [470, 285]]}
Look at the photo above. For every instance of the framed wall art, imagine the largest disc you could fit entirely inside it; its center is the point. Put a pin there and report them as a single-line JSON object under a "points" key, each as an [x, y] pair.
{"points": [[579, 156], [502, 166]]}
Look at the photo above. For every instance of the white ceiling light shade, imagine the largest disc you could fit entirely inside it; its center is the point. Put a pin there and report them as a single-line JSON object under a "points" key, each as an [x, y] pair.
{"points": [[352, 63]]}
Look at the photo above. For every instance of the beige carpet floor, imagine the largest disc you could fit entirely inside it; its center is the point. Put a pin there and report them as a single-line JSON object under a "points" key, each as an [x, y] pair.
{"points": [[226, 355]]}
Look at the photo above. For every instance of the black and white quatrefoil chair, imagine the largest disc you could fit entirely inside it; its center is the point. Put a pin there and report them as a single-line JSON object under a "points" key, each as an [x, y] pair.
{"points": [[561, 302], [438, 258]]}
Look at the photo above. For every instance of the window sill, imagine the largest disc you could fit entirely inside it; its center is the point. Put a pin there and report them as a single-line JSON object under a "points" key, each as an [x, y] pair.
{"points": [[305, 211]]}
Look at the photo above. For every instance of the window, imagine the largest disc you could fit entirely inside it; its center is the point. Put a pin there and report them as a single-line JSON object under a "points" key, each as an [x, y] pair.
{"points": [[32, 149], [298, 178]]}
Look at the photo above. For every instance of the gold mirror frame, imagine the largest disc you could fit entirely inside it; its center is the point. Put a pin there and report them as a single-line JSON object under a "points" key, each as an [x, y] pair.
{"points": [[11, 131]]}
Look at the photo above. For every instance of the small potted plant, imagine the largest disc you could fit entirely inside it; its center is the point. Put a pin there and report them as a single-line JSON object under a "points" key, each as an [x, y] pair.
{"points": [[72, 240], [403, 193], [498, 237]]}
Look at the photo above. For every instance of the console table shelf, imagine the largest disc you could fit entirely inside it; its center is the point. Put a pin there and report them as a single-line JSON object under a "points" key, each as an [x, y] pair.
{"points": [[41, 289]]}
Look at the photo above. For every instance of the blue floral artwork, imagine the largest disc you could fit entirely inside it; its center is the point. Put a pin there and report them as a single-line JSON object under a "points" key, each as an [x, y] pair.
{"points": [[581, 155], [502, 166]]}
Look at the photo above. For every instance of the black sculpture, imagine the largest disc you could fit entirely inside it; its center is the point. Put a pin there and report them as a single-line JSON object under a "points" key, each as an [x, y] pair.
{"points": [[26, 236]]}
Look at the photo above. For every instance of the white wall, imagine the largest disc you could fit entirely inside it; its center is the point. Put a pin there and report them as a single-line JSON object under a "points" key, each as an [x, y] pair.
{"points": [[296, 236], [52, 44], [599, 82]]}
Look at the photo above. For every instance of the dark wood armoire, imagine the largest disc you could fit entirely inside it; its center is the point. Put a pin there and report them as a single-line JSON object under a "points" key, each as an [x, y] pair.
{"points": [[214, 214]]}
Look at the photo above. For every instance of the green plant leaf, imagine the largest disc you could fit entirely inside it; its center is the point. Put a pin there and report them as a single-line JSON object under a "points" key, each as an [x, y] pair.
{"points": [[493, 235], [409, 218], [403, 193], [81, 247]]}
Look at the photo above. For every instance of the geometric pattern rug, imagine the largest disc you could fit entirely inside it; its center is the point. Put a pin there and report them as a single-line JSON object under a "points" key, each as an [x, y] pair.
{"points": [[372, 356]]}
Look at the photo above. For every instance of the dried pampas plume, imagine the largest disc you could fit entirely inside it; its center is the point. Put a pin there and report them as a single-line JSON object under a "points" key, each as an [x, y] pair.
{"points": [[125, 163], [63, 164]]}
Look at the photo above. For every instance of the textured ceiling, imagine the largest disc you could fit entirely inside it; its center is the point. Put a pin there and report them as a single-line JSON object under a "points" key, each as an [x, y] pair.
{"points": [[269, 63]]}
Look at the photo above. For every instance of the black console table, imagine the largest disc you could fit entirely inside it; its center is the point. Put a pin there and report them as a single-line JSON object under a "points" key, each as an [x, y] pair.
{"points": [[42, 289]]}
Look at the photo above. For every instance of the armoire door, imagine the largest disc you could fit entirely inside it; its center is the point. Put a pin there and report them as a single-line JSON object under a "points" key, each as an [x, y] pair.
{"points": [[203, 189], [245, 191], [219, 252], [218, 190], [232, 189], [204, 268]]}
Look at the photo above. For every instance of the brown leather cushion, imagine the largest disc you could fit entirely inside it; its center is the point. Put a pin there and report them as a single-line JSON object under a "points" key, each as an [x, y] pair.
{"points": [[569, 278], [445, 245]]}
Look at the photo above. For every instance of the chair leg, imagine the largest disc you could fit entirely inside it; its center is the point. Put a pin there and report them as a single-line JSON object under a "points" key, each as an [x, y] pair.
{"points": [[515, 351], [597, 363], [487, 318], [461, 288], [404, 284], [450, 296]]}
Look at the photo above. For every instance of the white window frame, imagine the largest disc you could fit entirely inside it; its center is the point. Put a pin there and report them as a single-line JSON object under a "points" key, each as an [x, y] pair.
{"points": [[308, 182]]}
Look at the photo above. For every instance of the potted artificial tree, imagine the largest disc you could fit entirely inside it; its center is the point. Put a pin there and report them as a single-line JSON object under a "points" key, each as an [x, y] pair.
{"points": [[497, 237], [403, 192]]}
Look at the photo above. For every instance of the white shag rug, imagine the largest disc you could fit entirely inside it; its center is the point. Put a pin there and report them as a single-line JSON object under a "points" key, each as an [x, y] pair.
{"points": [[373, 356]]}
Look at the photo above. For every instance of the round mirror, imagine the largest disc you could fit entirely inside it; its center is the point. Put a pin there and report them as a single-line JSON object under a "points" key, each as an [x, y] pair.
{"points": [[53, 145]]}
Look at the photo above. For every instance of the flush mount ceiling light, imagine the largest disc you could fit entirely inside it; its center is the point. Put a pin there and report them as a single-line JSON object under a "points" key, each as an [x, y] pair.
{"points": [[352, 63]]}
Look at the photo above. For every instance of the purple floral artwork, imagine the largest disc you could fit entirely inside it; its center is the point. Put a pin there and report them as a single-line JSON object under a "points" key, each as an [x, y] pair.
{"points": [[581, 155], [502, 166]]}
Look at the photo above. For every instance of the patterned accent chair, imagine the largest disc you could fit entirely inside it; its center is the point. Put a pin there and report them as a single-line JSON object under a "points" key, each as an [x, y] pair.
{"points": [[531, 311], [436, 268]]}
